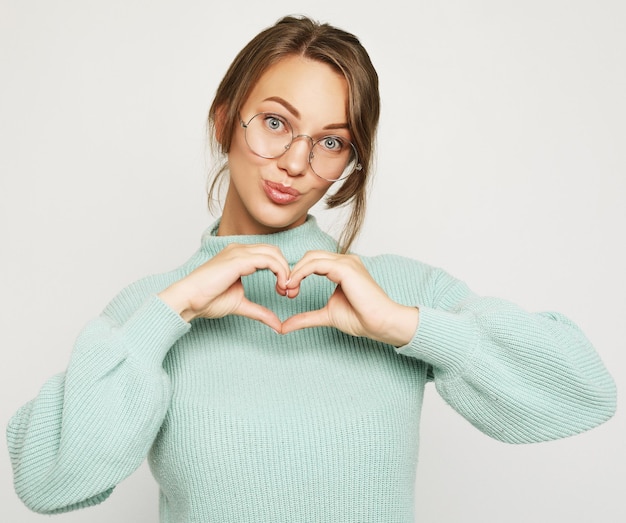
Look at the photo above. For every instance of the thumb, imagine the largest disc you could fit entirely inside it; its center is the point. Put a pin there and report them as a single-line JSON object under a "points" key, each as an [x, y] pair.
{"points": [[257, 312], [305, 320]]}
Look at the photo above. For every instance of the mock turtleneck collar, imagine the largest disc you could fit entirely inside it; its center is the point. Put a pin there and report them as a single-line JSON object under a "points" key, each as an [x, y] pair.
{"points": [[293, 243]]}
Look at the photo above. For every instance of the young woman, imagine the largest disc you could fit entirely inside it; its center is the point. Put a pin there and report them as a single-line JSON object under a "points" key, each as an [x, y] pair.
{"points": [[275, 376]]}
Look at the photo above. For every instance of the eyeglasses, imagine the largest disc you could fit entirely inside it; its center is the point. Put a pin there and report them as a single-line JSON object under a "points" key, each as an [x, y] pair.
{"points": [[270, 135]]}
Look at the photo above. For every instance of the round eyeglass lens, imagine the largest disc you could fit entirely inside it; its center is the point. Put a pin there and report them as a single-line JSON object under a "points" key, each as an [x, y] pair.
{"points": [[333, 158], [268, 135]]}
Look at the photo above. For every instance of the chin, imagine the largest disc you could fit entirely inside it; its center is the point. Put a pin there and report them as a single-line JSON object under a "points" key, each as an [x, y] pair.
{"points": [[281, 225], [277, 221]]}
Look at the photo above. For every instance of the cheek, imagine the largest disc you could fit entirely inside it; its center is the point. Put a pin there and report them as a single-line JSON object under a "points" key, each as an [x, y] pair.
{"points": [[240, 156], [317, 193]]}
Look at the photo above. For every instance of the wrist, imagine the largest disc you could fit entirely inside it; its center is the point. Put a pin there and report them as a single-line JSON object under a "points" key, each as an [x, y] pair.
{"points": [[402, 326], [177, 299]]}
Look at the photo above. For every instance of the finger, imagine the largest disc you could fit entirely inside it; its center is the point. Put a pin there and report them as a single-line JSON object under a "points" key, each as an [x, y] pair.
{"points": [[313, 255], [332, 268], [302, 269], [257, 312], [327, 267], [269, 250], [305, 320], [215, 276], [260, 261], [279, 266]]}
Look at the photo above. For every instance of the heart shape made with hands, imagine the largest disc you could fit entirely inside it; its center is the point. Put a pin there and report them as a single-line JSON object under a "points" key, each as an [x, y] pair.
{"points": [[215, 289], [358, 306], [321, 317]]}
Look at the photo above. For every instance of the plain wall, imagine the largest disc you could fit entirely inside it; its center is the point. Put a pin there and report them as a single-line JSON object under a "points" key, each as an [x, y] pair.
{"points": [[501, 158]]}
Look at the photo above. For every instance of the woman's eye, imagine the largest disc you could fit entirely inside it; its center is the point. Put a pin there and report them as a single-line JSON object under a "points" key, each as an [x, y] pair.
{"points": [[273, 123], [332, 143]]}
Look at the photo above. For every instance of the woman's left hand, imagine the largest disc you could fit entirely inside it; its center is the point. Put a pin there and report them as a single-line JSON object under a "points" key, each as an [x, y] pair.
{"points": [[358, 306]]}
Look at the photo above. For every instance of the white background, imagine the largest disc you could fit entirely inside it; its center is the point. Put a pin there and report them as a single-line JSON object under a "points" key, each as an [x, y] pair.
{"points": [[501, 159]]}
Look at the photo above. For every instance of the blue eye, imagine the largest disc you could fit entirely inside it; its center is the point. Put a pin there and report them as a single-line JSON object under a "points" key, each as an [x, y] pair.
{"points": [[273, 122], [332, 143]]}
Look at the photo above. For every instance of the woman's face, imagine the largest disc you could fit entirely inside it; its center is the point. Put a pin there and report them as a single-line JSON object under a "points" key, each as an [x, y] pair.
{"points": [[270, 195]]}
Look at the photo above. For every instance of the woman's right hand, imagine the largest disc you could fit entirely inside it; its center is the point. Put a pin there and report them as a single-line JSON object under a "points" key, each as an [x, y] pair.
{"points": [[214, 289]]}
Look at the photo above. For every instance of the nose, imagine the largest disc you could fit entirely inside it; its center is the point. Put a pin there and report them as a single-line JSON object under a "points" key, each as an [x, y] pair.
{"points": [[295, 159]]}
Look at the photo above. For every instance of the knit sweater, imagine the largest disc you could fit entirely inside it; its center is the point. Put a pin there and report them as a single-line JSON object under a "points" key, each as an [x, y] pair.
{"points": [[241, 424]]}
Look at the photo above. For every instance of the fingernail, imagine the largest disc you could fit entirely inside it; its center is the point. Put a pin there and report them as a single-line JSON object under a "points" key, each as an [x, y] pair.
{"points": [[287, 293]]}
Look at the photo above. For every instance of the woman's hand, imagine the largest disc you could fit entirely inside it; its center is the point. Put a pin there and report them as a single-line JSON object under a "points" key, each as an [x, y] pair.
{"points": [[358, 306], [214, 289]]}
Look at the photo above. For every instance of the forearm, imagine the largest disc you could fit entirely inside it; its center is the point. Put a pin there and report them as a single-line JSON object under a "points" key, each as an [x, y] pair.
{"points": [[91, 427], [518, 377]]}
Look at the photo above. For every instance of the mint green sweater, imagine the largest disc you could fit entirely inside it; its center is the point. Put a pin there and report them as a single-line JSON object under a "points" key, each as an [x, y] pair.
{"points": [[241, 424]]}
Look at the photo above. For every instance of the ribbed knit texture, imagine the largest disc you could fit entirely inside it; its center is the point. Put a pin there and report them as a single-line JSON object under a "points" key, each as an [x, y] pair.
{"points": [[241, 424]]}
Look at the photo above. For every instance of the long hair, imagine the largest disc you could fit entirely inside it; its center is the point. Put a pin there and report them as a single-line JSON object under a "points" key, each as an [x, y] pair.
{"points": [[317, 41]]}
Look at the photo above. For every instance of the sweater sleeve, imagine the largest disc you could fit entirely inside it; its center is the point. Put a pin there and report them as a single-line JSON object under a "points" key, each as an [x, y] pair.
{"points": [[93, 425], [519, 377]]}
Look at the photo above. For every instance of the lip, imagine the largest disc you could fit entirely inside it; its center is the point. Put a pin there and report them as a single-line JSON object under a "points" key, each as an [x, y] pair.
{"points": [[280, 194]]}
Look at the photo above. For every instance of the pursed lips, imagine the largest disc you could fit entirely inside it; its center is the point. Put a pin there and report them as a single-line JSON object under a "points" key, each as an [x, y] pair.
{"points": [[279, 193]]}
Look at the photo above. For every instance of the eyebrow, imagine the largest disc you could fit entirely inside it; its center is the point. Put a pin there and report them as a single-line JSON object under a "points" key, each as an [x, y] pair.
{"points": [[296, 113]]}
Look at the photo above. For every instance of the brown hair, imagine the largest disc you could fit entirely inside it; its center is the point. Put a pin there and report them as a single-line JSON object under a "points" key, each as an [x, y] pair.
{"points": [[330, 45]]}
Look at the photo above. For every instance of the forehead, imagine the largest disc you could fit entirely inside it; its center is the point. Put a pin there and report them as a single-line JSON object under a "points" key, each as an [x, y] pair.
{"points": [[313, 88]]}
